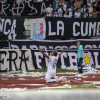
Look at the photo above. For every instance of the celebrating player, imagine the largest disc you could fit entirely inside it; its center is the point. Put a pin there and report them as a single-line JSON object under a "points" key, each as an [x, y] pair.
{"points": [[51, 68]]}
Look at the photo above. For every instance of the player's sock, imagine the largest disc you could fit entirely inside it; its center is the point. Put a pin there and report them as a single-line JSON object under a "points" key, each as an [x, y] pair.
{"points": [[64, 80]]}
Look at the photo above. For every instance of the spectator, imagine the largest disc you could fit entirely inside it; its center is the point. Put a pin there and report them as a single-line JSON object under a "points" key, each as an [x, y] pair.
{"points": [[71, 11], [78, 3], [57, 4], [60, 11], [49, 11], [71, 3], [67, 15], [94, 13], [85, 14], [90, 1], [90, 9], [65, 6], [61, 2], [77, 14], [83, 9], [55, 14]]}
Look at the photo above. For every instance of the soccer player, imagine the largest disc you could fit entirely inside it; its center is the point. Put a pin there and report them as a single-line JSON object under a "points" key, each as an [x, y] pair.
{"points": [[80, 55], [51, 68]]}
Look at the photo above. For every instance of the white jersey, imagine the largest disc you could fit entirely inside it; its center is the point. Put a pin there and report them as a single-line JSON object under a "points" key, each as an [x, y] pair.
{"points": [[90, 10], [77, 15], [70, 12], [67, 16], [60, 12], [49, 11], [52, 64]]}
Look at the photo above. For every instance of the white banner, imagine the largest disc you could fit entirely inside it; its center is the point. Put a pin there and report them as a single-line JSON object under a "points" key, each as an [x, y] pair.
{"points": [[16, 60], [68, 57]]}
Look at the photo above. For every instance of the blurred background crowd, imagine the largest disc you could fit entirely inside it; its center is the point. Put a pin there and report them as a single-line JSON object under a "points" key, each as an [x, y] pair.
{"points": [[66, 8]]}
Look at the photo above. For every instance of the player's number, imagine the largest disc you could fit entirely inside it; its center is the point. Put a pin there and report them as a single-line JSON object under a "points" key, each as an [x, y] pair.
{"points": [[54, 65]]}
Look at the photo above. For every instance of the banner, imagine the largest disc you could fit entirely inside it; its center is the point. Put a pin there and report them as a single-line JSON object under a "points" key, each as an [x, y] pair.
{"points": [[11, 28], [65, 28], [38, 28], [15, 60], [4, 44], [27, 8], [68, 57]]}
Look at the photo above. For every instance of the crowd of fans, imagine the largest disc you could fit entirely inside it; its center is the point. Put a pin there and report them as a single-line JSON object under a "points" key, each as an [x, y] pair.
{"points": [[68, 8], [74, 9]]}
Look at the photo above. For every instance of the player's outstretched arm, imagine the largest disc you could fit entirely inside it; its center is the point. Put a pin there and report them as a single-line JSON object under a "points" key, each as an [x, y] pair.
{"points": [[43, 53], [61, 52]]}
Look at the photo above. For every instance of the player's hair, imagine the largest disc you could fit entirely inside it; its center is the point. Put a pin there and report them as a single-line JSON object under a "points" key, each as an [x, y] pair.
{"points": [[79, 41], [55, 53]]}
